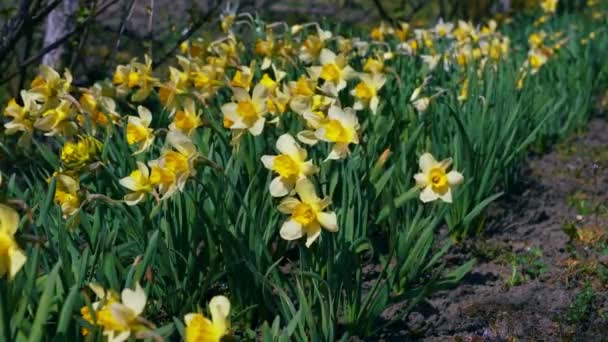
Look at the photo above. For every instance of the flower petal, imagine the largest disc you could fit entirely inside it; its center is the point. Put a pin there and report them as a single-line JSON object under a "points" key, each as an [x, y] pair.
{"points": [[288, 204], [280, 187], [268, 161], [306, 190], [428, 195], [427, 162], [9, 220], [134, 299], [312, 234], [455, 178], [286, 144], [328, 220], [291, 230]]}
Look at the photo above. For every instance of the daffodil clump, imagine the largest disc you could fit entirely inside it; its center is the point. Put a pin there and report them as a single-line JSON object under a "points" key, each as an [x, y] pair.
{"points": [[250, 183]]}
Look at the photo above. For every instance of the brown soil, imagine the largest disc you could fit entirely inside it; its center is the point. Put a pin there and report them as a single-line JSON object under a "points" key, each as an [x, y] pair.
{"points": [[558, 289]]}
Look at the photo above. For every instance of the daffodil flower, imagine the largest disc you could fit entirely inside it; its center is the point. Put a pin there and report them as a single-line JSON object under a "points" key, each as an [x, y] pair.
{"points": [[443, 29], [118, 319], [49, 84], [175, 166], [307, 214], [291, 165], [138, 182], [177, 85], [22, 116], [248, 111], [340, 128], [12, 257], [66, 194], [549, 6], [366, 91], [57, 120], [435, 181], [334, 70], [186, 120], [536, 59], [202, 329], [139, 131]]}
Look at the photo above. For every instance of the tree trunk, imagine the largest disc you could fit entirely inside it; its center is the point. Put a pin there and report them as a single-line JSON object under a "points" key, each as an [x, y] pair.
{"points": [[60, 22]]}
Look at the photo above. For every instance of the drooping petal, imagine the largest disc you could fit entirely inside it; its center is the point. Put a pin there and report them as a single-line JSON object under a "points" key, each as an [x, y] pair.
{"points": [[9, 220], [447, 196], [291, 230], [308, 137], [428, 195], [134, 198], [328, 220], [312, 234], [17, 258], [257, 127], [280, 187], [338, 151]]}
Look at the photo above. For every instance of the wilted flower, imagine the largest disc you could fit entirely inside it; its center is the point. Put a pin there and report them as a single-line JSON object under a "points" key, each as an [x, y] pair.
{"points": [[435, 181]]}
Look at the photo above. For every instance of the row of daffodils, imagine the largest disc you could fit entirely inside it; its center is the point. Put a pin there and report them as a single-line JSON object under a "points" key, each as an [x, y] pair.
{"points": [[308, 90]]}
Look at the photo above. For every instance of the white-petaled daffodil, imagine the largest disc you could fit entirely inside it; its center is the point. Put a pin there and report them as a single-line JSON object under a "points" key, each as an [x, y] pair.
{"points": [[434, 179]]}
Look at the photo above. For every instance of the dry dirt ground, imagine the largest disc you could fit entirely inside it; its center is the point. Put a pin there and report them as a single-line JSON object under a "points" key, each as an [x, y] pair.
{"points": [[542, 270]]}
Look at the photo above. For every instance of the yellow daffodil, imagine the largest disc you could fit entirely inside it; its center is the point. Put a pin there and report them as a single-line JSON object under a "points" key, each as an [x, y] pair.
{"points": [[138, 182], [139, 131], [170, 91], [247, 113], [76, 155], [58, 120], [311, 47], [187, 119], [12, 257], [307, 214], [334, 70], [549, 6], [136, 76], [536, 59], [435, 181], [49, 84], [66, 194], [291, 165], [443, 29], [242, 78], [202, 329], [366, 91], [340, 128], [175, 166], [22, 116], [119, 319]]}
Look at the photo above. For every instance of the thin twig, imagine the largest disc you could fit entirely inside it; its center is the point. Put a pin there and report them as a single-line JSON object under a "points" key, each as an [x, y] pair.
{"points": [[56, 44]]}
